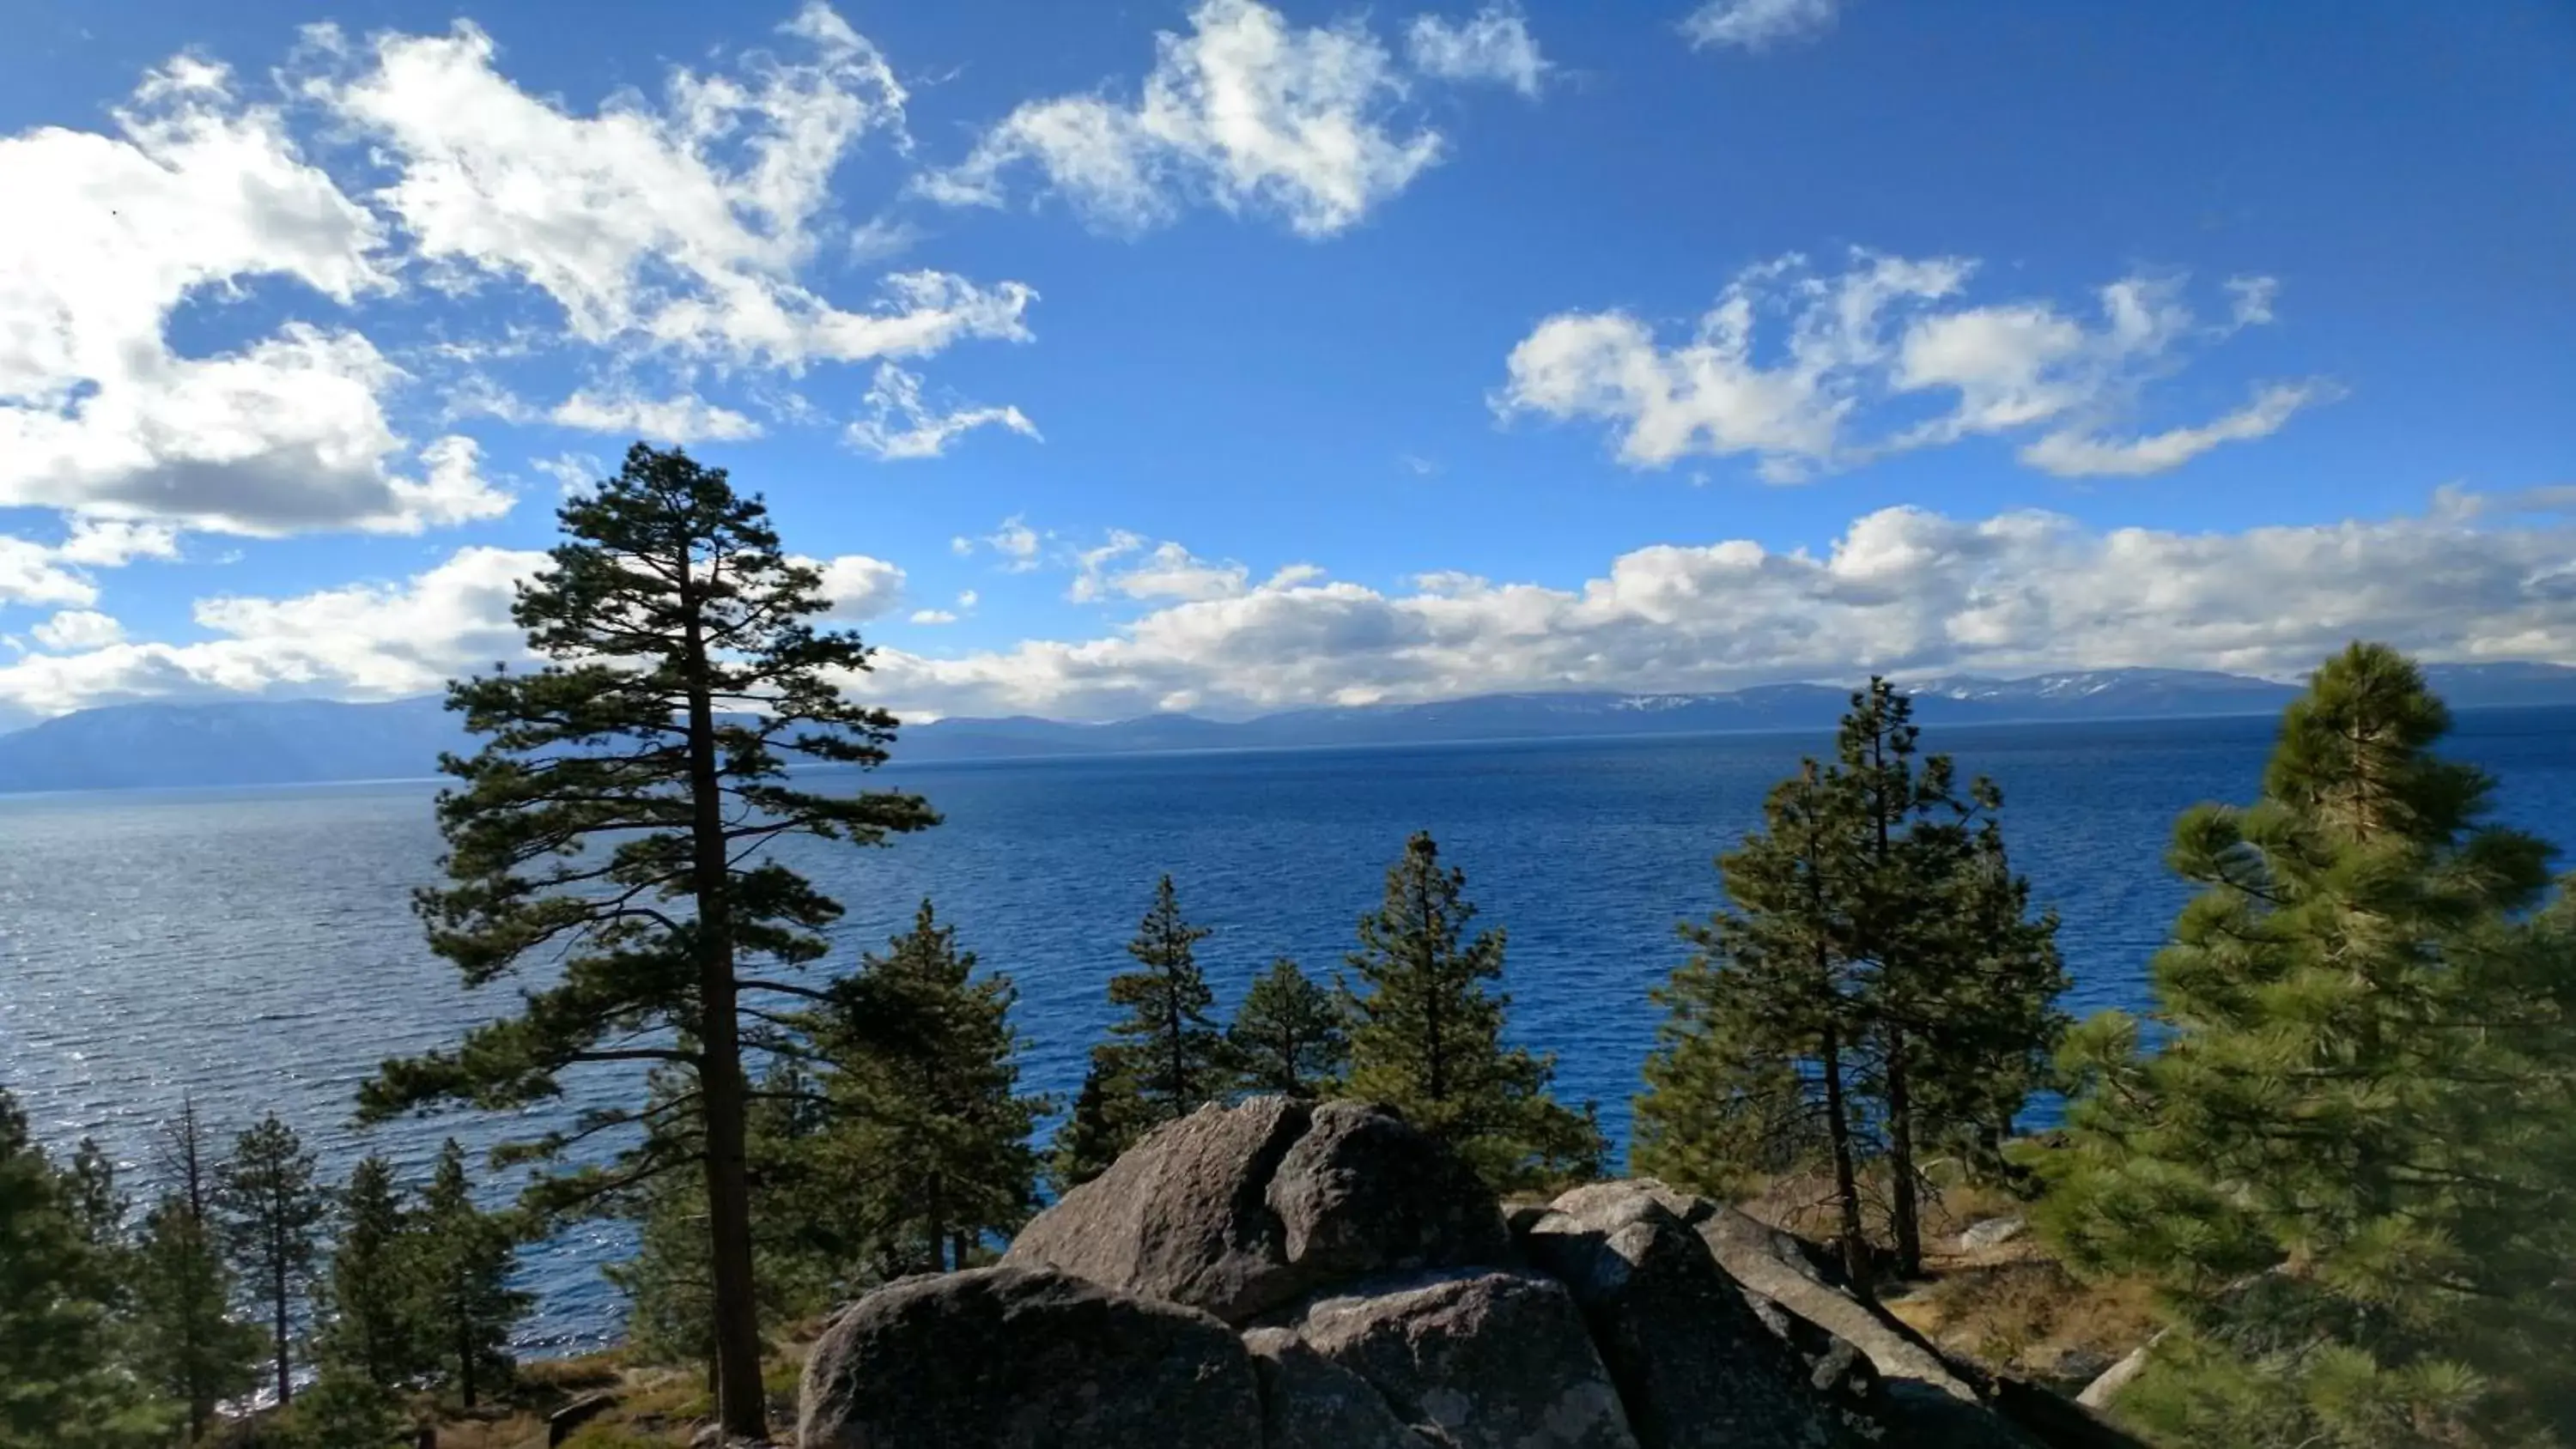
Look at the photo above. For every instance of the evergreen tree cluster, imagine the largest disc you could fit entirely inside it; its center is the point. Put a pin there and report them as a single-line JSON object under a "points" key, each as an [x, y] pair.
{"points": [[1421, 1031], [352, 1303], [1877, 989]]}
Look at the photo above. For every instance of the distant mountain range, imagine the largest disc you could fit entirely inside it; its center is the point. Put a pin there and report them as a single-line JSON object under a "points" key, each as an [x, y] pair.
{"points": [[313, 741]]}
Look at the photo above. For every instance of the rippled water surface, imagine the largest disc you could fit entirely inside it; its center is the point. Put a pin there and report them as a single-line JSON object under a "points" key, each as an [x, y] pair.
{"points": [[256, 947]]}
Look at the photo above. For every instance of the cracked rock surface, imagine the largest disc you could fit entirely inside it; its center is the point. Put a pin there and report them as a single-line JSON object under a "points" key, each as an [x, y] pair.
{"points": [[1284, 1275]]}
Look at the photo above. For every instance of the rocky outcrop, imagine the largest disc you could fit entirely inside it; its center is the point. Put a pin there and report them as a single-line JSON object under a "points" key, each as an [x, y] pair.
{"points": [[1310, 1402], [1695, 1366], [1013, 1358], [1477, 1360], [1274, 1275], [1240, 1210]]}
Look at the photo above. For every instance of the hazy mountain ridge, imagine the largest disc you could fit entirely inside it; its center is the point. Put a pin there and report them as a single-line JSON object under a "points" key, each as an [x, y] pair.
{"points": [[246, 742]]}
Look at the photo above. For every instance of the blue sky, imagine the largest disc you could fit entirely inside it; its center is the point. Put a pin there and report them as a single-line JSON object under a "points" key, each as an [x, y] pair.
{"points": [[1227, 357]]}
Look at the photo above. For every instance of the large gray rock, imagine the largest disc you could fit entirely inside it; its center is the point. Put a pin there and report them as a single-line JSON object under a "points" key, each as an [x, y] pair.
{"points": [[1240, 1210], [1475, 1360], [1310, 1402], [1362, 1192], [1181, 1215], [1011, 1358], [1696, 1368]]}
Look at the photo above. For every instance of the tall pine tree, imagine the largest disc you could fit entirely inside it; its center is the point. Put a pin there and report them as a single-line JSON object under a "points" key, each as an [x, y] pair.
{"points": [[371, 1299], [271, 1213], [2341, 1143], [184, 1341], [615, 820], [466, 1256], [58, 1385], [1095, 1131], [1754, 1066], [1876, 987], [1288, 1036], [1427, 1035], [1167, 1046], [1957, 983], [932, 1147]]}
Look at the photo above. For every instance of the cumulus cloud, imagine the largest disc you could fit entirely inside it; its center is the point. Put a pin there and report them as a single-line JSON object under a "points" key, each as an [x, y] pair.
{"points": [[683, 223], [933, 616], [571, 471], [193, 194], [360, 641], [77, 629], [1882, 331], [1125, 567], [1902, 590], [1494, 44], [31, 573], [900, 425], [685, 418], [860, 587], [1758, 24], [1246, 112]]}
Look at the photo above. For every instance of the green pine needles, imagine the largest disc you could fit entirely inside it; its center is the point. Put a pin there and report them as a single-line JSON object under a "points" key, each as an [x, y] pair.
{"points": [[1426, 1035], [615, 818], [1876, 990], [2341, 1141]]}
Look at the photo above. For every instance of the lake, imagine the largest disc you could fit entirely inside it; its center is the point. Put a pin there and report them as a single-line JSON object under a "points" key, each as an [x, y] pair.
{"points": [[255, 948]]}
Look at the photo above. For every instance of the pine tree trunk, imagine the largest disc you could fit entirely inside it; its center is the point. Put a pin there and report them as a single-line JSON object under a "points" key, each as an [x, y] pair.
{"points": [[1846, 1182], [285, 1385], [465, 1359], [938, 1230], [1902, 1206], [740, 1405], [960, 1244]]}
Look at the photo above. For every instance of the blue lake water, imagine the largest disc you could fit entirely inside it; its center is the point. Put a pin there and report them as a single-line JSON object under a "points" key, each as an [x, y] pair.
{"points": [[256, 948]]}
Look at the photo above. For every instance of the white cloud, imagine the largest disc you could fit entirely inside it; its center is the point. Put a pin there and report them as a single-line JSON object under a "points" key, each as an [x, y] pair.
{"points": [[1902, 590], [1758, 24], [1883, 328], [2253, 299], [31, 573], [933, 616], [684, 223], [571, 471], [1494, 44], [1091, 565], [109, 543], [2075, 454], [966, 599], [1246, 112], [77, 629], [37, 574], [361, 641], [899, 425], [686, 418], [194, 194], [1015, 541], [1168, 571], [860, 587]]}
